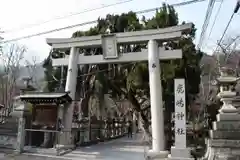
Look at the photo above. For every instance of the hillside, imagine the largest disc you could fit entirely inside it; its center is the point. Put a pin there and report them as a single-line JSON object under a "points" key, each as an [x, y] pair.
{"points": [[37, 74], [210, 69]]}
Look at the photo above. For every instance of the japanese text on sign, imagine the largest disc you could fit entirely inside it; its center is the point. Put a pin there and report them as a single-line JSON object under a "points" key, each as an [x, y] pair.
{"points": [[180, 118], [180, 103], [180, 88], [180, 131]]}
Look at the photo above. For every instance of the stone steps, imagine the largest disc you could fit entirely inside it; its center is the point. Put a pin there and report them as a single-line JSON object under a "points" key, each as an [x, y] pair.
{"points": [[7, 133], [4, 130], [10, 126], [6, 149]]}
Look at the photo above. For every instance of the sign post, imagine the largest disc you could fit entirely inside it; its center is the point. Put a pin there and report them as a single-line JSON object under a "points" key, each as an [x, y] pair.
{"points": [[180, 150], [180, 114]]}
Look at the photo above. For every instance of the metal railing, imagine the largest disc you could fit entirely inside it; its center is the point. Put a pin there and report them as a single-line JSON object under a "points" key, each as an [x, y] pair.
{"points": [[46, 138]]}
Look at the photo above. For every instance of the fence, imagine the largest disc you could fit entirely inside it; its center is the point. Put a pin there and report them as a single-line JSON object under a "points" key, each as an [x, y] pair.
{"points": [[84, 134]]}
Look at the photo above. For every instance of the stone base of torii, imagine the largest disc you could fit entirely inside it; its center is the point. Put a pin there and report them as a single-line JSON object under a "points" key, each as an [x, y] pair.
{"points": [[180, 154]]}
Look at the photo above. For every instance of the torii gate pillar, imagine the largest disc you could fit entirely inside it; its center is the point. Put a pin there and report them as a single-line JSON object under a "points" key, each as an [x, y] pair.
{"points": [[158, 140], [71, 84]]}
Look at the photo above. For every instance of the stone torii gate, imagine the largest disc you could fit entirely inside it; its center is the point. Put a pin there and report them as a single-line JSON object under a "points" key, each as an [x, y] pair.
{"points": [[109, 44]]}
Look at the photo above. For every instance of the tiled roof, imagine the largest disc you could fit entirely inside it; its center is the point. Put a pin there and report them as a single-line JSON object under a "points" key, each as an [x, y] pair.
{"points": [[43, 95], [38, 97]]}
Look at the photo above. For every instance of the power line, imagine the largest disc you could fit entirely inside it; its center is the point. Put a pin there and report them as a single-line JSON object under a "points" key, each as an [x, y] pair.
{"points": [[174, 5], [233, 41], [224, 32], [66, 16], [51, 31], [85, 11], [206, 22], [228, 24], [92, 22], [187, 2], [215, 19]]}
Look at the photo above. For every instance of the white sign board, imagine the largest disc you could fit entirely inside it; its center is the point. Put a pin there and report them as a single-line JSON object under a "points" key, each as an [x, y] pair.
{"points": [[180, 113]]}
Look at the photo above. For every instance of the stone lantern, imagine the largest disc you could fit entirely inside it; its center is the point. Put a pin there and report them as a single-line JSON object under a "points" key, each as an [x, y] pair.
{"points": [[236, 103], [21, 111], [224, 141], [227, 93]]}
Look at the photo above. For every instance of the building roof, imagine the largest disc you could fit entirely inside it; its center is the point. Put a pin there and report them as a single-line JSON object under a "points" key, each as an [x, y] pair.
{"points": [[43, 97]]}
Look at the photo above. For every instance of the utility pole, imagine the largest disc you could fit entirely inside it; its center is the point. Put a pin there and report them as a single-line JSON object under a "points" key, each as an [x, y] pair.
{"points": [[237, 6]]}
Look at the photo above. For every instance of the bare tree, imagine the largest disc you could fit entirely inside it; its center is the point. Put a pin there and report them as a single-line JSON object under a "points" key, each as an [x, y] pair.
{"points": [[11, 57], [225, 56], [32, 70], [229, 54]]}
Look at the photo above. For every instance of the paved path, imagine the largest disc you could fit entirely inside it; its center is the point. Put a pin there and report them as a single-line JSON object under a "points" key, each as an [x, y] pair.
{"points": [[120, 149], [27, 157]]}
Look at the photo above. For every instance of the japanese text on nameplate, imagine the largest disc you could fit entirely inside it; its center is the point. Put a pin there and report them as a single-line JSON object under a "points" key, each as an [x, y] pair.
{"points": [[179, 116], [180, 131], [180, 88], [180, 103]]}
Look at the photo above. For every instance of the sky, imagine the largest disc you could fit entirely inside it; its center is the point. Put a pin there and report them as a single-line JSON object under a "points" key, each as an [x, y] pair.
{"points": [[19, 13]]}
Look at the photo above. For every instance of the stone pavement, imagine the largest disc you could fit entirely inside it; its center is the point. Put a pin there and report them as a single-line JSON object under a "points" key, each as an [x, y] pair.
{"points": [[120, 149]]}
